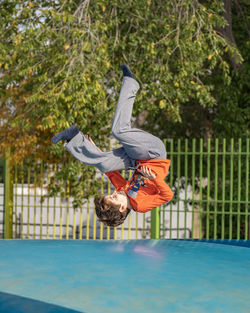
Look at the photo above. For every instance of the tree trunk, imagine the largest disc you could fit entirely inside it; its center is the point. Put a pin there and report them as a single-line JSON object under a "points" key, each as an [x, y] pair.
{"points": [[227, 33]]}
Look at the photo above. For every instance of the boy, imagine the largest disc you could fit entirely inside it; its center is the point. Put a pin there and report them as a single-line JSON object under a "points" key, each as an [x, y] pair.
{"points": [[140, 151]]}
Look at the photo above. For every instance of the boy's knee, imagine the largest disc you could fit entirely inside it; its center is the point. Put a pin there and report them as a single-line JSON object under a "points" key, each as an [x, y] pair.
{"points": [[115, 132], [119, 133]]}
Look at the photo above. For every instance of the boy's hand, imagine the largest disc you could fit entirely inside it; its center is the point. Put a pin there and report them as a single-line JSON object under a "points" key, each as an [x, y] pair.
{"points": [[146, 172], [90, 139]]}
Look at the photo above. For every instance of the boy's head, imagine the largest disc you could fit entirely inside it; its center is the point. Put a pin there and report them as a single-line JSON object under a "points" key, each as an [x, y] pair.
{"points": [[113, 209]]}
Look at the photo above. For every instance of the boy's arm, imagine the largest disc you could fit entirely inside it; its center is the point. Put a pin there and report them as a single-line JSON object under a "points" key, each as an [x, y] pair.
{"points": [[164, 195], [116, 179], [152, 201]]}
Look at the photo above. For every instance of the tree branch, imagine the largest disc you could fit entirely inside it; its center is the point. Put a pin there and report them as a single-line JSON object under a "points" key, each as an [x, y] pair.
{"points": [[227, 33]]}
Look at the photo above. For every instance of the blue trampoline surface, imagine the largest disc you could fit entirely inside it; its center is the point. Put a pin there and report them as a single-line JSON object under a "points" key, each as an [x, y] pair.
{"points": [[124, 276]]}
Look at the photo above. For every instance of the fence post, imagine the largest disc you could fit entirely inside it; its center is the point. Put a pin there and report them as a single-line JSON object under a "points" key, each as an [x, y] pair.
{"points": [[8, 199], [155, 223]]}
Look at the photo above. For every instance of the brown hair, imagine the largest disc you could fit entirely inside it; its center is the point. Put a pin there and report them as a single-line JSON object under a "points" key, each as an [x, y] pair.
{"points": [[109, 214]]}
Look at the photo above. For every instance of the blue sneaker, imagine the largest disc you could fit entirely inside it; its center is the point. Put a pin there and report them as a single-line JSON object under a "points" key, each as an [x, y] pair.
{"points": [[126, 71], [67, 134]]}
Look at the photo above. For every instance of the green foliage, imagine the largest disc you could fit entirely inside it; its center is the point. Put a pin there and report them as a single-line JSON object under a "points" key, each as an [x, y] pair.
{"points": [[232, 115], [60, 65], [228, 113]]}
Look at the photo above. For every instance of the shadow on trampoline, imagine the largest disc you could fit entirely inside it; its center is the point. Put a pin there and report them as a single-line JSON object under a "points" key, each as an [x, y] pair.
{"points": [[12, 304]]}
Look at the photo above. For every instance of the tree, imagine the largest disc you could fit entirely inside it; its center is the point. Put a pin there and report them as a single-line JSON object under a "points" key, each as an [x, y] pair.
{"points": [[60, 66], [227, 116]]}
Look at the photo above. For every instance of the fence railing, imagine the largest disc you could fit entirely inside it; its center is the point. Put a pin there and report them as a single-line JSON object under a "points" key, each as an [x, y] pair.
{"points": [[210, 180]]}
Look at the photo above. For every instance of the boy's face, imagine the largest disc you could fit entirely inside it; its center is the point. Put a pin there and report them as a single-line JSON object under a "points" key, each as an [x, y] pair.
{"points": [[118, 198]]}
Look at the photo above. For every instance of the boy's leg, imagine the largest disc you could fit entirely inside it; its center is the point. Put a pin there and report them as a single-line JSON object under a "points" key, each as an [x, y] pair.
{"points": [[138, 144], [87, 152]]}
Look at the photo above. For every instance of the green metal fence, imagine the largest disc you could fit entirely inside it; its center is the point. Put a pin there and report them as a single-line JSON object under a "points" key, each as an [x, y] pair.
{"points": [[210, 180]]}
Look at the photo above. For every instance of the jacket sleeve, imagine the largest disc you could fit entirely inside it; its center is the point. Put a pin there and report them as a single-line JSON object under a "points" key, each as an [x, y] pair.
{"points": [[116, 179], [152, 201]]}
